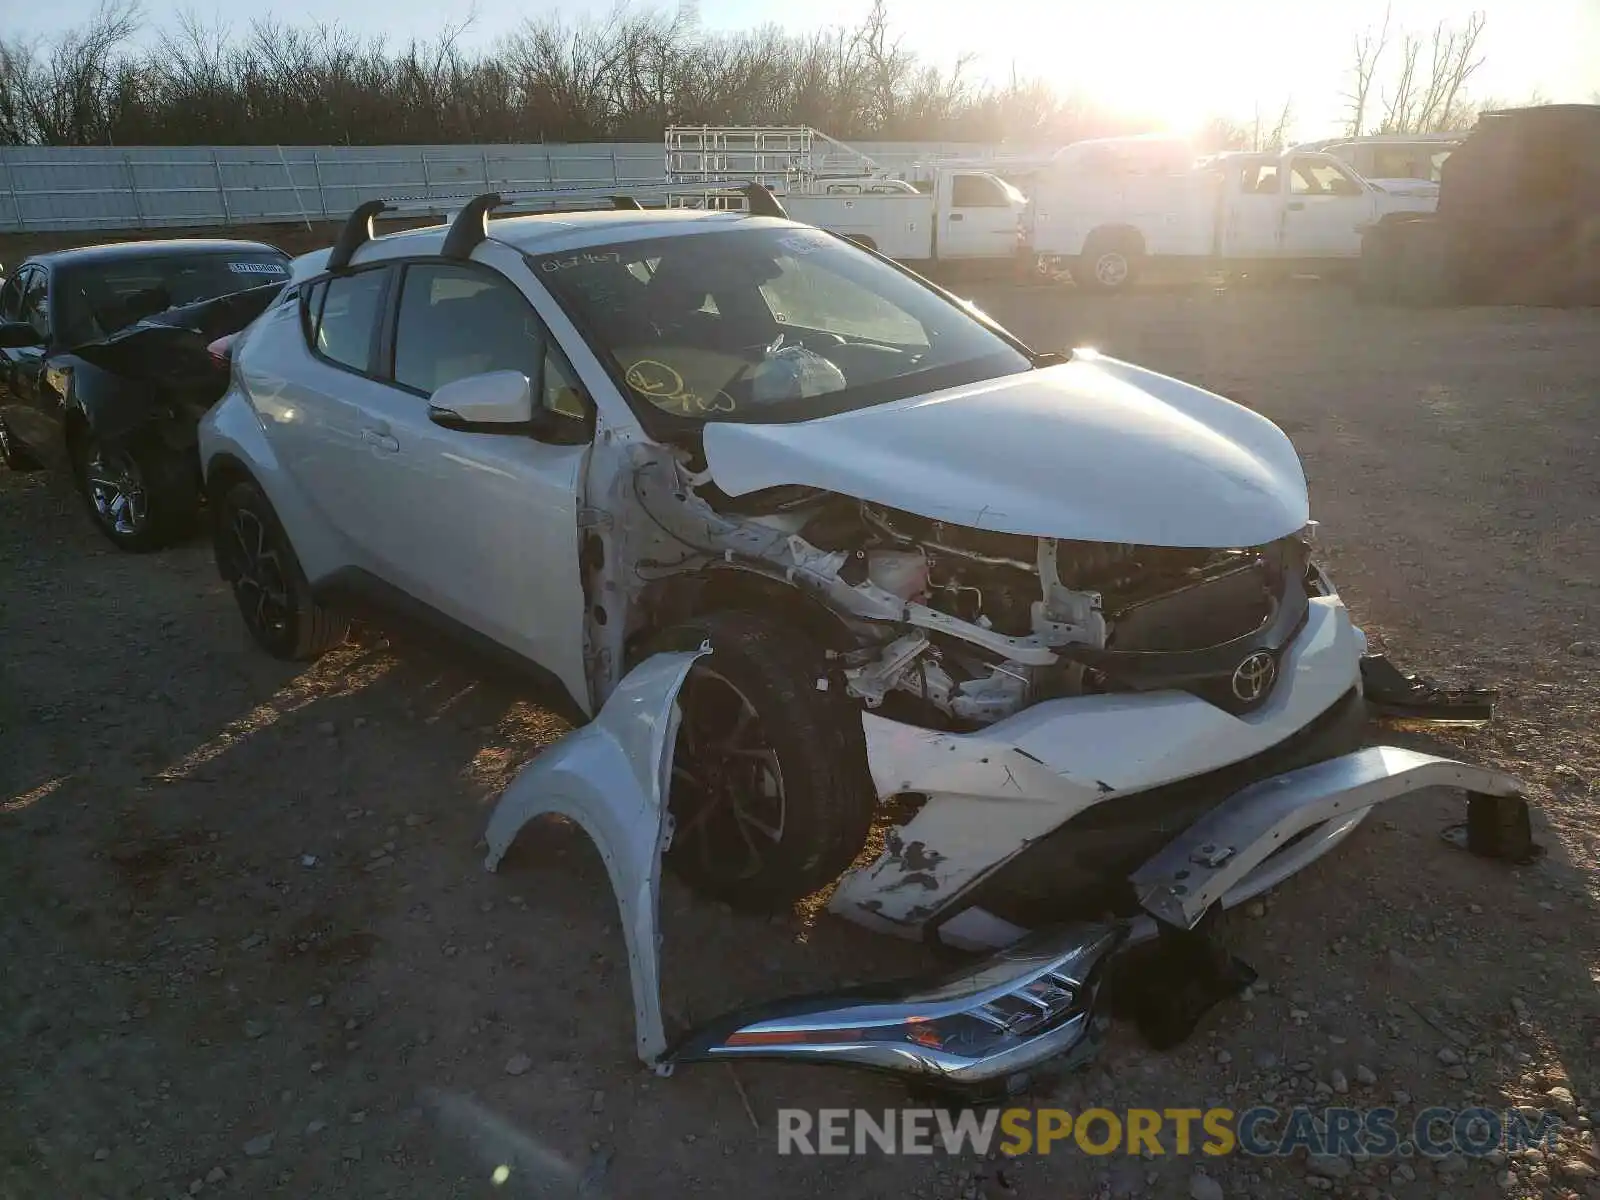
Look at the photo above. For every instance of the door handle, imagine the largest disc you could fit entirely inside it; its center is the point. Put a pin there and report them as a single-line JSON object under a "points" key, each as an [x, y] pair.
{"points": [[1296, 205], [380, 440], [958, 216]]}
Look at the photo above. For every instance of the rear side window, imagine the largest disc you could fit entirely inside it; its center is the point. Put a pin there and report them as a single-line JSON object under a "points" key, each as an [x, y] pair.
{"points": [[342, 316], [458, 321]]}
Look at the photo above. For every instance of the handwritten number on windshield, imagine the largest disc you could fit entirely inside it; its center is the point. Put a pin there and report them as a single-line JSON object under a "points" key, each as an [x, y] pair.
{"points": [[579, 260]]}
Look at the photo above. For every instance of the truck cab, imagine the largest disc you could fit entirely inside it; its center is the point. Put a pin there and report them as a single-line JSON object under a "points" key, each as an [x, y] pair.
{"points": [[1295, 206], [954, 216]]}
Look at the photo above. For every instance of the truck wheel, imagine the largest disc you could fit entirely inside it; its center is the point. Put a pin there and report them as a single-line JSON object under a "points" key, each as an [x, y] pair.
{"points": [[141, 495], [1110, 261], [771, 795], [255, 558]]}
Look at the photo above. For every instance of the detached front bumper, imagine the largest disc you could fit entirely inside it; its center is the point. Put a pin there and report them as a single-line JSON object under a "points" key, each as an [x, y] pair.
{"points": [[992, 1027], [1222, 850]]}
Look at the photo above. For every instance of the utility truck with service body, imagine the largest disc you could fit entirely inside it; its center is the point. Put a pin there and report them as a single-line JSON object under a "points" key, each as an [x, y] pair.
{"points": [[965, 215], [1105, 217]]}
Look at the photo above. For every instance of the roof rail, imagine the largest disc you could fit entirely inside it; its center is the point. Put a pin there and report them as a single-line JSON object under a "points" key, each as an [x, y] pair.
{"points": [[471, 225], [356, 233], [762, 202], [469, 215]]}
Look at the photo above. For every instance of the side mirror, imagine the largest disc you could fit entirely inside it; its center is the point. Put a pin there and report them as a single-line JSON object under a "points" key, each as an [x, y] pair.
{"points": [[494, 402], [15, 335]]}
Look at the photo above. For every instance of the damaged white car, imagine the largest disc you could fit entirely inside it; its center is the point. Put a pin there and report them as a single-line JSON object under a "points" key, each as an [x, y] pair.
{"points": [[811, 546]]}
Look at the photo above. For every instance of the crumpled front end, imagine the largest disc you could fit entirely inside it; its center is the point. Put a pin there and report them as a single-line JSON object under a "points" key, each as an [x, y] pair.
{"points": [[982, 798], [1092, 722], [990, 1027]]}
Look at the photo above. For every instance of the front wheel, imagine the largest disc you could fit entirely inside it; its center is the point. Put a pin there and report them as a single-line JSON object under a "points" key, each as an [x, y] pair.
{"points": [[255, 558], [771, 796], [140, 494]]}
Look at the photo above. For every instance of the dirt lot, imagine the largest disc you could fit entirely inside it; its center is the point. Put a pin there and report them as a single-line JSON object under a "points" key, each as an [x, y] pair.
{"points": [[249, 947]]}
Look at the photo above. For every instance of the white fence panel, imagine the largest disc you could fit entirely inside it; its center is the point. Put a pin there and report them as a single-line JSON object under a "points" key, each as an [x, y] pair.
{"points": [[160, 187]]}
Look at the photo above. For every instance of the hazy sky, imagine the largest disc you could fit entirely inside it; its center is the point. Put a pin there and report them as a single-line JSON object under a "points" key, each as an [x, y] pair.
{"points": [[1178, 59]]}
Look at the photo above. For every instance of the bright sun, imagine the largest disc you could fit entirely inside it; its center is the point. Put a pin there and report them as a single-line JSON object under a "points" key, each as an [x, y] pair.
{"points": [[1179, 64]]}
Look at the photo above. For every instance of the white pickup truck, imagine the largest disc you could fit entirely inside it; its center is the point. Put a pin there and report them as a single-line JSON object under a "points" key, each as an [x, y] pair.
{"points": [[966, 215], [1256, 213], [960, 214]]}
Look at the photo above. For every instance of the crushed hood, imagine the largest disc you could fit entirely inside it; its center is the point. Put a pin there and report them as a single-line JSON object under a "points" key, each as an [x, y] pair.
{"points": [[1093, 450]]}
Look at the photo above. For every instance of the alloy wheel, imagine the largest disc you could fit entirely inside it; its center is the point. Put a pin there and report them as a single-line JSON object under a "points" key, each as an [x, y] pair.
{"points": [[116, 488], [727, 786], [259, 580]]}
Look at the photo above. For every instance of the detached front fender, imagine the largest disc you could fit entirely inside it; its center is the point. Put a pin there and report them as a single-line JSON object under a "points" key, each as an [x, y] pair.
{"points": [[612, 777]]}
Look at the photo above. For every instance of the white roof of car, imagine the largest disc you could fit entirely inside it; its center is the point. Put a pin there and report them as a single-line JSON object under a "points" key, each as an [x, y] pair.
{"points": [[546, 233]]}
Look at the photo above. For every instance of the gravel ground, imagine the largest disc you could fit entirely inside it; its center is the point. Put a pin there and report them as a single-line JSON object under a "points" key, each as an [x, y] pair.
{"points": [[250, 949]]}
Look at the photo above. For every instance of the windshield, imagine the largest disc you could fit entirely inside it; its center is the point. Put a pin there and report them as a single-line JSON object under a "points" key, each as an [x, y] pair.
{"points": [[775, 324], [98, 299]]}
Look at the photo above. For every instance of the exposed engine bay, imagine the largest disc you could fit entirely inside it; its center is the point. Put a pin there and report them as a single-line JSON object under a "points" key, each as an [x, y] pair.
{"points": [[970, 626]]}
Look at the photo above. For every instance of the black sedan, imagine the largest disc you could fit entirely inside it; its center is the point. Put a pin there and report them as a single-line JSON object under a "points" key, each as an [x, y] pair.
{"points": [[109, 355]]}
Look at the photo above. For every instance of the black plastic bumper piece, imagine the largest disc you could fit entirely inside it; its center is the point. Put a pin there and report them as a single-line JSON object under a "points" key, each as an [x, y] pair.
{"points": [[1392, 693]]}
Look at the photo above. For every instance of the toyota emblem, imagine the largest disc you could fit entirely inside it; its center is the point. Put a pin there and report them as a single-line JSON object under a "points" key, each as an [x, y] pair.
{"points": [[1253, 678]]}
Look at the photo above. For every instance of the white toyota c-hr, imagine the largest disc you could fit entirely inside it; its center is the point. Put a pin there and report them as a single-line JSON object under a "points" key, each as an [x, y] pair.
{"points": [[1044, 617]]}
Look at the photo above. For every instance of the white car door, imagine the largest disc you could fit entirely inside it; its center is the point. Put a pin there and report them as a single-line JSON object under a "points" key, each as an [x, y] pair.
{"points": [[1325, 209], [309, 375], [977, 216], [1252, 211], [479, 526]]}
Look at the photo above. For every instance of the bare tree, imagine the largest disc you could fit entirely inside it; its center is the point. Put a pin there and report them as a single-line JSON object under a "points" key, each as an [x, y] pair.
{"points": [[1428, 96], [623, 75], [1222, 133], [1269, 132], [60, 94], [1369, 47]]}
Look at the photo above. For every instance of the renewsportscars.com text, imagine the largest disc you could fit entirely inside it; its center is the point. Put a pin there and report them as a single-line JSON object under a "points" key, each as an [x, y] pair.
{"points": [[1261, 1131]]}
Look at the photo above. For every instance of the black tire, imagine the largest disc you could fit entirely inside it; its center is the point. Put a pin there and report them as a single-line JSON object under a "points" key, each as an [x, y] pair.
{"points": [[12, 453], [141, 493], [735, 840], [255, 558], [1110, 262]]}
